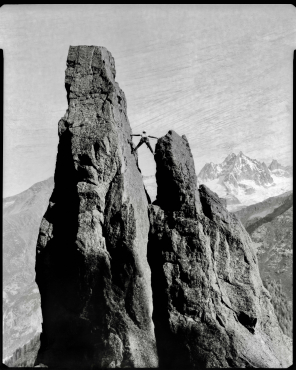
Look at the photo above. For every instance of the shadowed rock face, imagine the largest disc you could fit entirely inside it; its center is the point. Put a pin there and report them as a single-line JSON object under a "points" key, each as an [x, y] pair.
{"points": [[91, 265], [176, 169], [209, 305]]}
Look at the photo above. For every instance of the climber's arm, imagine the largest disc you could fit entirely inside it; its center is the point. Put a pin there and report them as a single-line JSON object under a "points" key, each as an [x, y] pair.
{"points": [[135, 135], [153, 137]]}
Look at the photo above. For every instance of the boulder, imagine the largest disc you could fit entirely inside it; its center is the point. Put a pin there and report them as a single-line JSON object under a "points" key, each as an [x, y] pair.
{"points": [[91, 264], [210, 308]]}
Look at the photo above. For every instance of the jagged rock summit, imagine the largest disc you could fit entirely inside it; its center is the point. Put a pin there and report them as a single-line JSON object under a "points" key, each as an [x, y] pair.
{"points": [[91, 265], [99, 233], [210, 308]]}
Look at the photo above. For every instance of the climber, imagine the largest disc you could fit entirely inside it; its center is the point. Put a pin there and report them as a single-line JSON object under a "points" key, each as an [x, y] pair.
{"points": [[144, 139]]}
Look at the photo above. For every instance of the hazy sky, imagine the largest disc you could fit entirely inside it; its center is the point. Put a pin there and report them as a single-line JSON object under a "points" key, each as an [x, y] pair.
{"points": [[221, 75]]}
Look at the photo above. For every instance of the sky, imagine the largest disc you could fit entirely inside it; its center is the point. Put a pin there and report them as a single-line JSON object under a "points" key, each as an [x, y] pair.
{"points": [[220, 74]]}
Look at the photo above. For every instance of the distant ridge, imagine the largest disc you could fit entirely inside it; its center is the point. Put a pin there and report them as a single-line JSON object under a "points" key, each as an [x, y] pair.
{"points": [[270, 225], [22, 214], [268, 218]]}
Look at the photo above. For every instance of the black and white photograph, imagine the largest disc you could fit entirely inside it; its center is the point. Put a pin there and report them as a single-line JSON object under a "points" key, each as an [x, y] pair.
{"points": [[147, 185]]}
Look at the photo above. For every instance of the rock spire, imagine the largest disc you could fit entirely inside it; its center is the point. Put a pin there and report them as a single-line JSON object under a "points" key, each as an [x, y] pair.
{"points": [[91, 265], [210, 308]]}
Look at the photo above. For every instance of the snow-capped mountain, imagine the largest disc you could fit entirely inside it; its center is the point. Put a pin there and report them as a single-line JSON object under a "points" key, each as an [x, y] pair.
{"points": [[279, 170], [236, 168], [243, 181]]}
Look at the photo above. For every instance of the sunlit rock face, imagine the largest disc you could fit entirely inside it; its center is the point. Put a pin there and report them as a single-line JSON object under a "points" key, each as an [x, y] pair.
{"points": [[91, 264], [210, 308]]}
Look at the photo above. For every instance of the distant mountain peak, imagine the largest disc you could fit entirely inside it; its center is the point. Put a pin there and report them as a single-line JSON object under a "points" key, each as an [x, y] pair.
{"points": [[245, 179], [274, 165], [236, 168], [231, 155], [279, 170]]}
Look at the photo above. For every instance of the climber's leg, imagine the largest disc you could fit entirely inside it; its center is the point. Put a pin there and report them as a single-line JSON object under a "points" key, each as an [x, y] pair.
{"points": [[138, 146], [149, 146]]}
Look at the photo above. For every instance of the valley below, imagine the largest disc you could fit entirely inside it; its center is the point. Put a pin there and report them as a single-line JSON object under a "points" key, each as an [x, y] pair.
{"points": [[270, 225]]}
